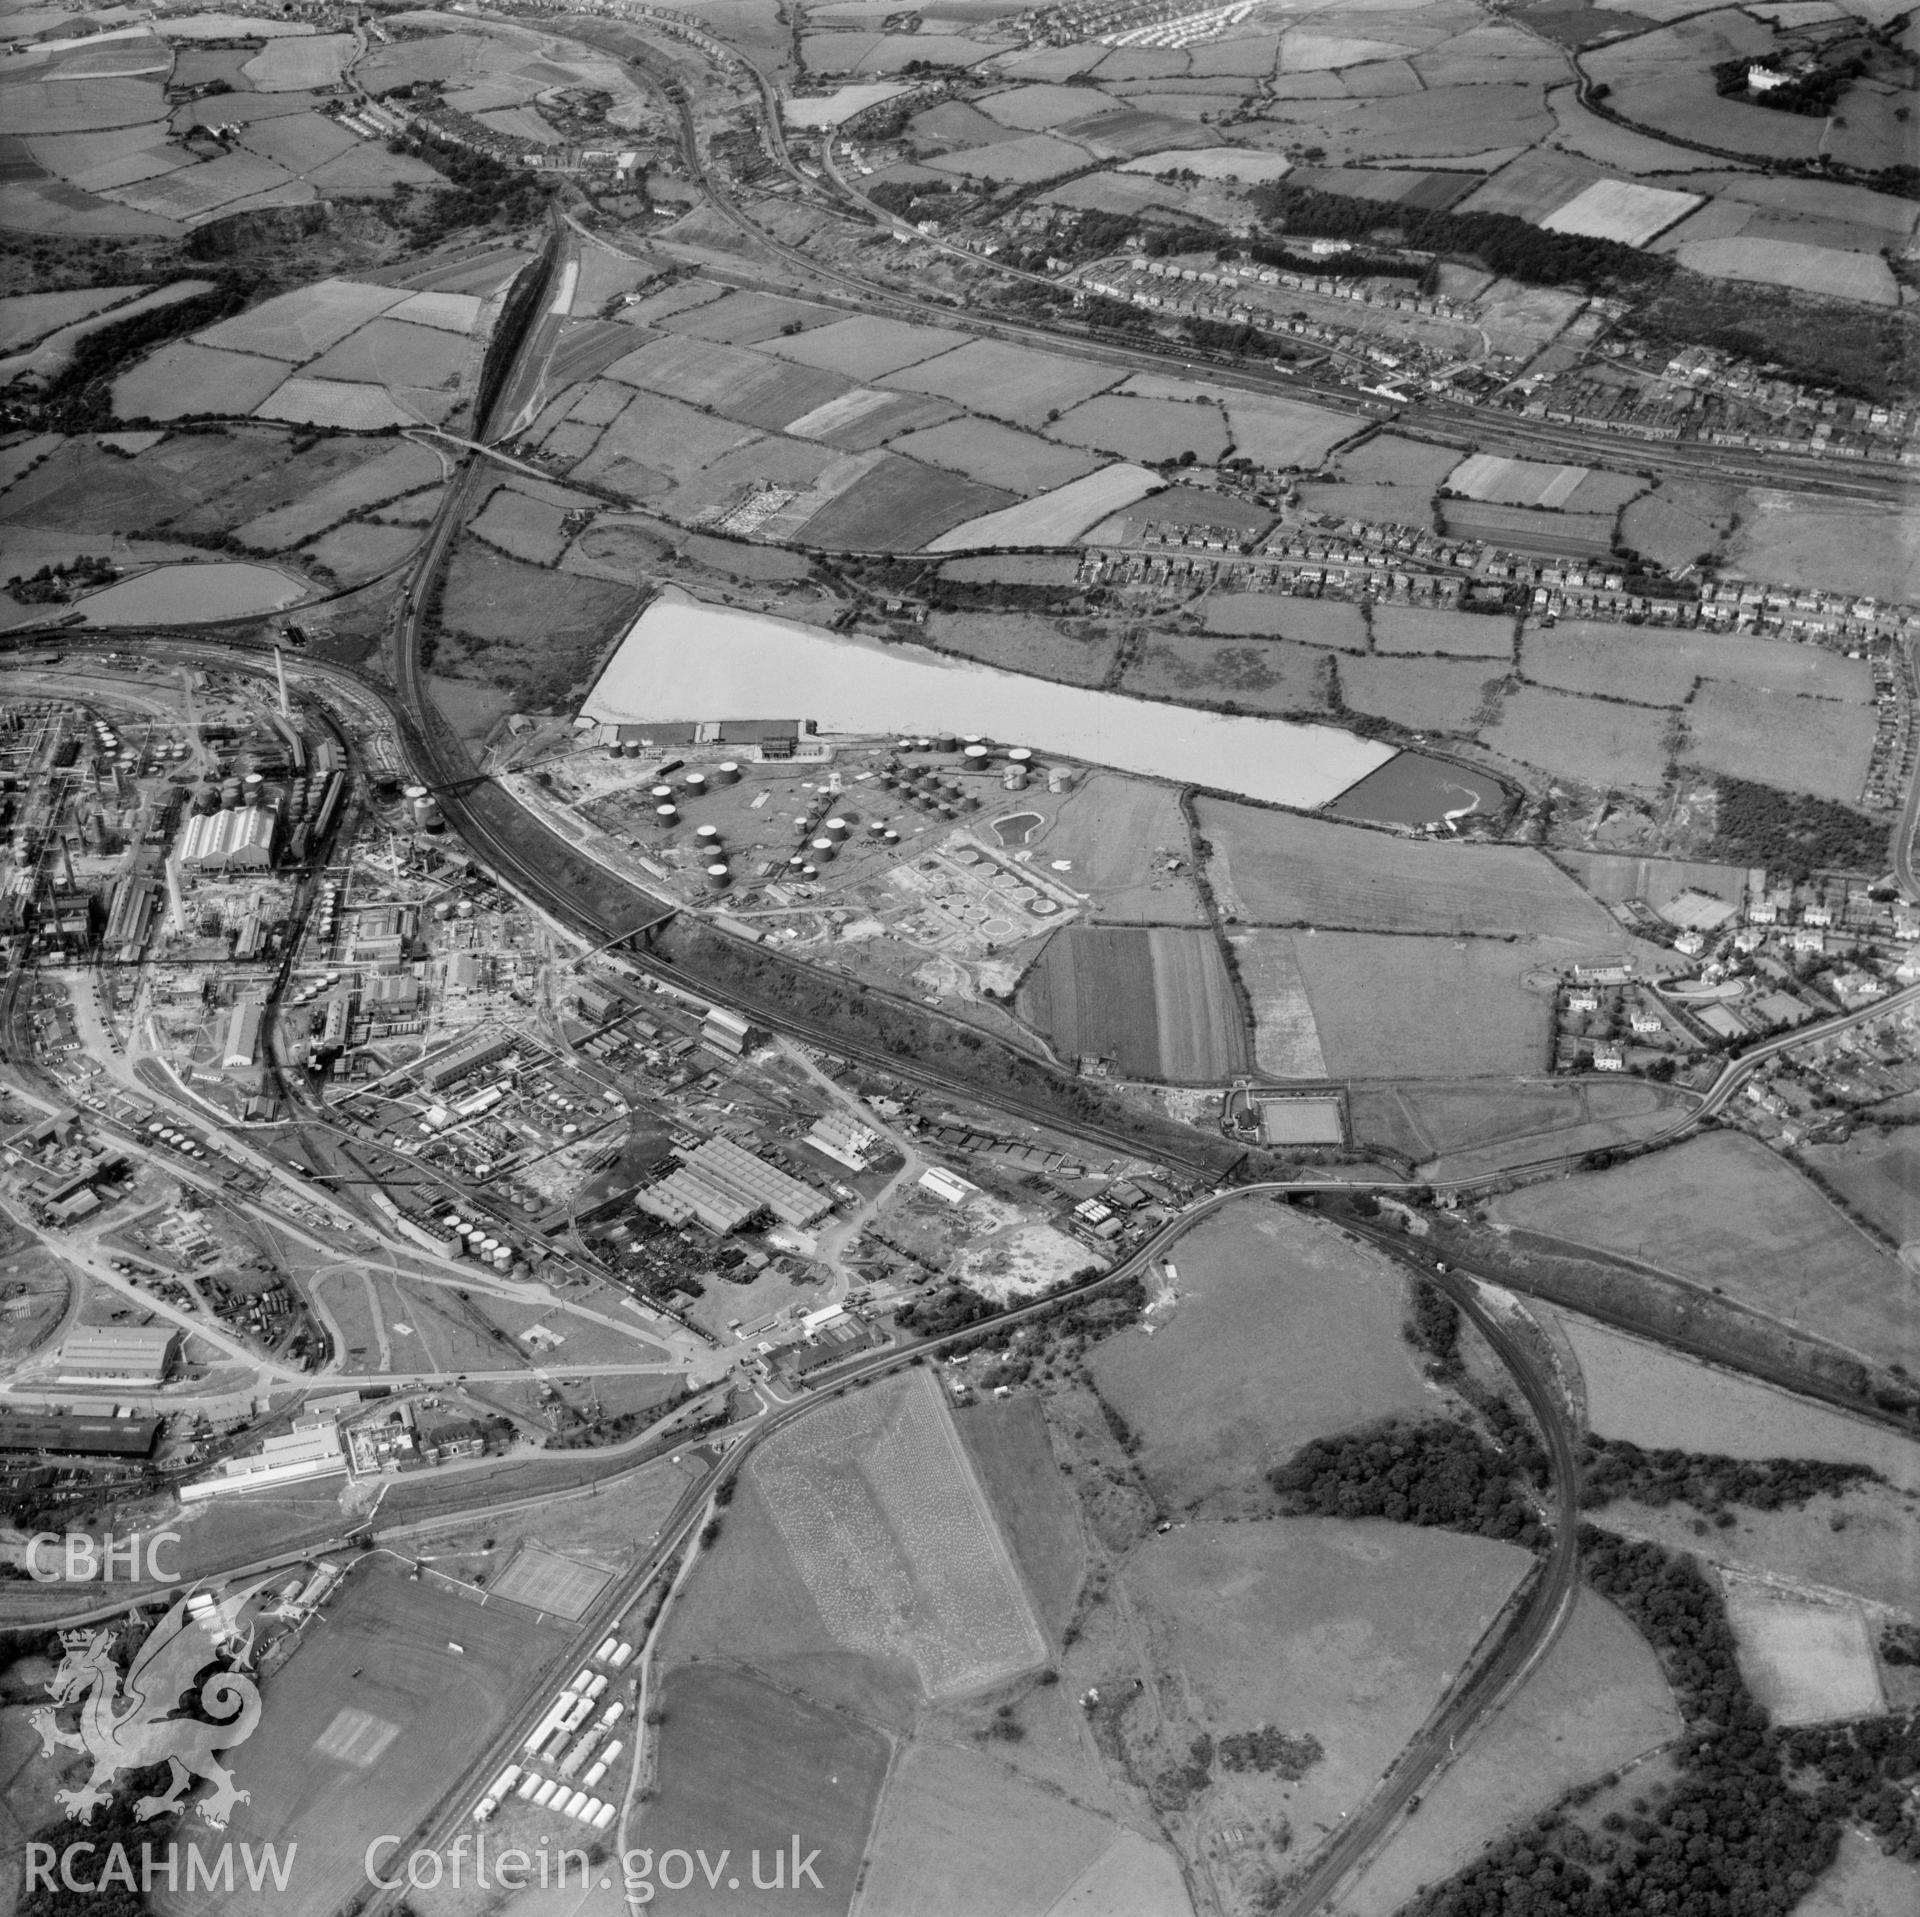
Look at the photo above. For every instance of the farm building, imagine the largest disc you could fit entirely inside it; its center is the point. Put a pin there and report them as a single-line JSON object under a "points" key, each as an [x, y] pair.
{"points": [[236, 841], [126, 1354]]}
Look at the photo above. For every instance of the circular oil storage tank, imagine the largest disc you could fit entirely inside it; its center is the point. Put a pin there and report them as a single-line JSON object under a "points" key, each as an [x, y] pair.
{"points": [[694, 785], [948, 810], [569, 1131], [661, 794], [797, 865], [718, 877], [971, 803], [976, 756], [426, 815], [230, 795], [823, 849], [631, 750], [453, 1221], [707, 834], [1014, 779], [666, 817], [839, 828], [890, 837], [727, 772], [503, 1257], [1020, 755], [809, 871], [464, 910], [614, 750], [945, 742], [1059, 779]]}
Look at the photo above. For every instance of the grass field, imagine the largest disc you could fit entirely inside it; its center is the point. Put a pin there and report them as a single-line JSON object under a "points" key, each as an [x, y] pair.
{"points": [[1259, 675], [1024, 642], [1805, 1663], [1614, 876], [1723, 1210], [1389, 1007], [392, 473], [1286, 1042], [1146, 430], [1879, 1176], [1425, 695], [534, 632], [1596, 1703], [1283, 1332], [1863, 1882], [1387, 459], [1119, 836], [1426, 1121], [1551, 534], [1274, 868], [386, 1655], [1432, 629], [300, 325], [960, 1834], [1345, 1632], [518, 524], [1661, 1400], [1053, 518], [389, 352], [183, 379], [1659, 668], [353, 407], [742, 1768], [1006, 1438], [1004, 381], [892, 1535], [1158, 1003], [1592, 740], [996, 455], [867, 347], [1315, 622], [899, 506], [1806, 745]]}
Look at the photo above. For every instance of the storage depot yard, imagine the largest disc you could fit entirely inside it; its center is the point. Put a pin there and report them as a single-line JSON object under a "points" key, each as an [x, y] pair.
{"points": [[686, 661]]}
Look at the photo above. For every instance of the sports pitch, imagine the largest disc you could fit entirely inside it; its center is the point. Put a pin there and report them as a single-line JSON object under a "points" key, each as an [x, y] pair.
{"points": [[545, 1581]]}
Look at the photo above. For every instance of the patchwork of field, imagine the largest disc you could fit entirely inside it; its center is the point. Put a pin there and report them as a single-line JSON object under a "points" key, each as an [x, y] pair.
{"points": [[1054, 518], [335, 353], [1006, 1439], [1147, 430], [362, 1718], [892, 1536], [742, 1767], [1004, 381], [1286, 1041], [1615, 877], [541, 629], [1723, 1210], [1271, 868], [1159, 1003], [1284, 1331]]}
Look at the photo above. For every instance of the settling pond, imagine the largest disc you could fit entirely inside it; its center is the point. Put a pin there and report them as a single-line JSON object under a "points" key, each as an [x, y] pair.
{"points": [[686, 661], [1416, 790], [191, 595]]}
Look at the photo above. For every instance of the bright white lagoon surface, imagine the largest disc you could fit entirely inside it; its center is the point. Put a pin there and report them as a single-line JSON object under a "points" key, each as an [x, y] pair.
{"points": [[683, 660]]}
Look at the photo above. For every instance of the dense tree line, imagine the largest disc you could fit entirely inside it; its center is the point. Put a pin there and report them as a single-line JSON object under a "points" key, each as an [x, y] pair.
{"points": [[481, 191], [1271, 1751], [1500, 242], [1755, 1817], [1793, 834], [1434, 1473], [1433, 1326], [1614, 1468], [1353, 266]]}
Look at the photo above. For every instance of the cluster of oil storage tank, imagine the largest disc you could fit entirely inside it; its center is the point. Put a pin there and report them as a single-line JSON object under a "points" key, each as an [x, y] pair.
{"points": [[423, 808], [709, 847], [475, 1241]]}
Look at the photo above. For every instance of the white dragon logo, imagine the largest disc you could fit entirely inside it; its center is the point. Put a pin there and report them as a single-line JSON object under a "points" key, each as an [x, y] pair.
{"points": [[160, 1681]]}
